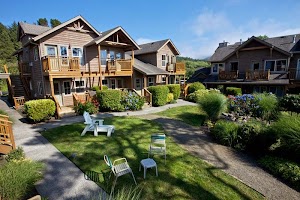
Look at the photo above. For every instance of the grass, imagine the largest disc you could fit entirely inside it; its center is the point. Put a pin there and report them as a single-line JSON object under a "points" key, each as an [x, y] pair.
{"points": [[191, 115], [183, 177]]}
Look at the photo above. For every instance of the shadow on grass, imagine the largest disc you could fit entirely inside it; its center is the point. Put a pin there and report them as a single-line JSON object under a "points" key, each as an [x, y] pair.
{"points": [[192, 118]]}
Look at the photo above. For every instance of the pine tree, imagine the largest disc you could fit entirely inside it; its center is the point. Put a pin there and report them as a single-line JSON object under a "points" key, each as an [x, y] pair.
{"points": [[6, 45], [54, 22], [42, 22]]}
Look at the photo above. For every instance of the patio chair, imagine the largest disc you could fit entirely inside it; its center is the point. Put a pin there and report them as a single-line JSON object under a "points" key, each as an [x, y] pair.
{"points": [[119, 168], [96, 125], [158, 145]]}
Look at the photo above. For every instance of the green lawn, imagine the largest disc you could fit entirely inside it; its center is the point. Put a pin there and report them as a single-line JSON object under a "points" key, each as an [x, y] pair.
{"points": [[183, 177], [191, 115]]}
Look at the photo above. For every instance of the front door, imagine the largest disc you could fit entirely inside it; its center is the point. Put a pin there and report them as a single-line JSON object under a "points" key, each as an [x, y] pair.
{"points": [[57, 92]]}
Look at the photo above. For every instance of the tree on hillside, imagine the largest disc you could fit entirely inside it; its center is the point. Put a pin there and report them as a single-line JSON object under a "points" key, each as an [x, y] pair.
{"points": [[192, 64], [6, 45], [54, 22], [42, 22], [13, 32], [262, 37]]}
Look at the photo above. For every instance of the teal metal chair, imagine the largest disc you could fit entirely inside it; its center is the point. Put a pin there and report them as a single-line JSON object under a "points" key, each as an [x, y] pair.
{"points": [[158, 145]]}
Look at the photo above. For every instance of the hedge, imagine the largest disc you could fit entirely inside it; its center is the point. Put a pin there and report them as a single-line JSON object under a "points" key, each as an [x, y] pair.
{"points": [[39, 110], [195, 86], [175, 90], [159, 94], [110, 100], [233, 91]]}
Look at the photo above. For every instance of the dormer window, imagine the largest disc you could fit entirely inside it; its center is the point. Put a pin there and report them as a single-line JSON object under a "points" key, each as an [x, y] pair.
{"points": [[163, 60]]}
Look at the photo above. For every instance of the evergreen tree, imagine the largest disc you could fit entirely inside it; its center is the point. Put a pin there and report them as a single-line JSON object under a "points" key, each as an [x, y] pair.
{"points": [[42, 22], [6, 45], [13, 33], [54, 22]]}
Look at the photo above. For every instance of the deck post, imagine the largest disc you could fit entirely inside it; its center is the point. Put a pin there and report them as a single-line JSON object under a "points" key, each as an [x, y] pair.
{"points": [[99, 62], [51, 86]]}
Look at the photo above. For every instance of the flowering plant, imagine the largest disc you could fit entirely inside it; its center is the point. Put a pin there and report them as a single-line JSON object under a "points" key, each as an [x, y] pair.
{"points": [[243, 105]]}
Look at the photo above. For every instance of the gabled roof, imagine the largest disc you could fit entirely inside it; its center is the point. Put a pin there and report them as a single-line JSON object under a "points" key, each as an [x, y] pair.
{"points": [[63, 25], [33, 29], [104, 35], [283, 44], [154, 47], [146, 68]]}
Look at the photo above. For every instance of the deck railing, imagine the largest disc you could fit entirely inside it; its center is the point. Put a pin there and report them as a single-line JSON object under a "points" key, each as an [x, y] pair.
{"points": [[225, 75], [178, 67], [81, 97], [7, 141], [257, 75], [60, 64], [119, 65], [148, 96]]}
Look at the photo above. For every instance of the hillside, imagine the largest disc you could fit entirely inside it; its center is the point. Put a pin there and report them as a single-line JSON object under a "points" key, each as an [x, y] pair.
{"points": [[192, 64]]}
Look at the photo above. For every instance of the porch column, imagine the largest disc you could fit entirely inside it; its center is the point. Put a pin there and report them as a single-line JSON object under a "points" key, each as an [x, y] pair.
{"points": [[167, 79], [145, 81], [51, 86], [99, 63]]}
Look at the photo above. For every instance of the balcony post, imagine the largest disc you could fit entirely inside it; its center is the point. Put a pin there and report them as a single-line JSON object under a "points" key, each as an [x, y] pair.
{"points": [[51, 86], [99, 63]]}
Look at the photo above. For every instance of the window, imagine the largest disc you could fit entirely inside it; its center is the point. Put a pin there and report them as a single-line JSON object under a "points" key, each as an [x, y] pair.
{"points": [[77, 53], [63, 51], [163, 60], [118, 55], [79, 86], [216, 67], [137, 83], [113, 83], [234, 66], [105, 82], [255, 65], [51, 50], [40, 88], [112, 55], [103, 57], [150, 81], [35, 54], [67, 87], [163, 79], [120, 83], [276, 65]]}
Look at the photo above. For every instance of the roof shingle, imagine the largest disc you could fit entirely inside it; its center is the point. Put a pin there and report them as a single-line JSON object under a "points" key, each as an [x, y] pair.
{"points": [[150, 47], [33, 29]]}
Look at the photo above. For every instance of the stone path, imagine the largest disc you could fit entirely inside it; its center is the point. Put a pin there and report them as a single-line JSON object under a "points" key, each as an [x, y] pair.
{"points": [[239, 165]]}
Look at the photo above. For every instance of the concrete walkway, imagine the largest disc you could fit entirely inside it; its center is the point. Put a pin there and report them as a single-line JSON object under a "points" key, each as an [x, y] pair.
{"points": [[237, 164], [62, 179]]}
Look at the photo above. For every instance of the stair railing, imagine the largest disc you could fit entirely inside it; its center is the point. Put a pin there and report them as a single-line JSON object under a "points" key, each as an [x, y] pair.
{"points": [[148, 96]]}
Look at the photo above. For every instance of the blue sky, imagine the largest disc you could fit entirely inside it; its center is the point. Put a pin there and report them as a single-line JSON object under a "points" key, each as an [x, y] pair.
{"points": [[195, 26]]}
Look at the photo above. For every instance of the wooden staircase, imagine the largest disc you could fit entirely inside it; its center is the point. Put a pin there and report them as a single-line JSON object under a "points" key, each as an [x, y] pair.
{"points": [[17, 93]]}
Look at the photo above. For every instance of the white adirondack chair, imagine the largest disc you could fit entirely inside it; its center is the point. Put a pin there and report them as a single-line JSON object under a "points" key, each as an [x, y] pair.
{"points": [[96, 125]]}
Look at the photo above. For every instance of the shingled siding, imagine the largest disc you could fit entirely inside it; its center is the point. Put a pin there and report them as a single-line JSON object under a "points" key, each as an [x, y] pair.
{"points": [[92, 58], [148, 58], [165, 50], [294, 60], [245, 58]]}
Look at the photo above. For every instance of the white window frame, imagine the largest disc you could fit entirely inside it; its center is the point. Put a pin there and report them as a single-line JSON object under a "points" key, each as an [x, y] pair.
{"points": [[81, 58], [275, 67], [55, 50], [66, 46], [80, 86], [218, 67], [163, 61], [150, 83], [64, 89], [64, 58], [103, 58], [35, 53]]}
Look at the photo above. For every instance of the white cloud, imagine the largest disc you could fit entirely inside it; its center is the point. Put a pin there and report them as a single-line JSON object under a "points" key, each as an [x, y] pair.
{"points": [[210, 28], [144, 40]]}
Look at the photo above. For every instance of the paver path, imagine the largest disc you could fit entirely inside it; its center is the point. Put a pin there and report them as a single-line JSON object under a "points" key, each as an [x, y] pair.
{"points": [[239, 165]]}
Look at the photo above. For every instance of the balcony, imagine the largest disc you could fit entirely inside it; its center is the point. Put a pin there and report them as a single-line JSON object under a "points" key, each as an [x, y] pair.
{"points": [[232, 75], [177, 68], [294, 74], [60, 64], [119, 67], [257, 75]]}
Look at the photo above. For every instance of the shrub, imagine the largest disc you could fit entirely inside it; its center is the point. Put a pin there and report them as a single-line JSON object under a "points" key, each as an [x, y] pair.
{"points": [[132, 101], [290, 103], [287, 129], [18, 178], [16, 154], [197, 95], [233, 91], [175, 90], [243, 105], [247, 134], [110, 100], [97, 88], [289, 171], [195, 86], [213, 104], [267, 106], [159, 94], [39, 110], [87, 106], [170, 97], [225, 132]]}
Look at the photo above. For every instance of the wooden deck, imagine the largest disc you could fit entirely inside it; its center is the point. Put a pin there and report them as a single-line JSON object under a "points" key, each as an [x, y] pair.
{"points": [[61, 65], [177, 68], [225, 75], [257, 75]]}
